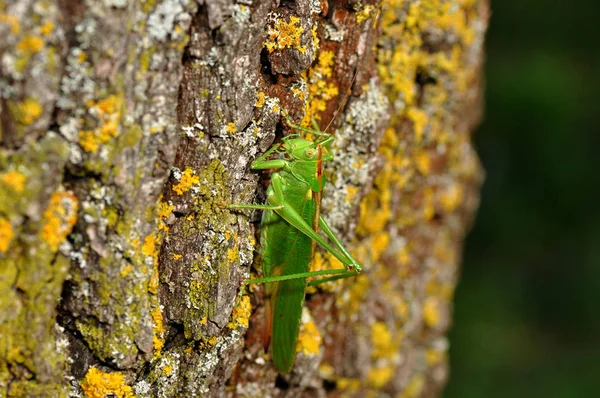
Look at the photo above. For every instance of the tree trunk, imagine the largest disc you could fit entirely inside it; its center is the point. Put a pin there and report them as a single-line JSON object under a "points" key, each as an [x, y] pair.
{"points": [[126, 128]]}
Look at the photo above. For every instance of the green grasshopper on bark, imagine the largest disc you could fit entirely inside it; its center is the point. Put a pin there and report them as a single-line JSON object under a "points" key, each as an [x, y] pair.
{"points": [[289, 233]]}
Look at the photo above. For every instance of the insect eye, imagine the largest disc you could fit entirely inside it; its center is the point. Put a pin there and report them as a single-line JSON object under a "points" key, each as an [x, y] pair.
{"points": [[310, 153]]}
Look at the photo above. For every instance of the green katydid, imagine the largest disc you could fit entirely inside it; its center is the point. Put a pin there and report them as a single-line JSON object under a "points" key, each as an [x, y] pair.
{"points": [[290, 222]]}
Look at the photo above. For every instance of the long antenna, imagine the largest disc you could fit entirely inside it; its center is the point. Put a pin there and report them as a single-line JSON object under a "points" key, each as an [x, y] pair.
{"points": [[349, 90]]}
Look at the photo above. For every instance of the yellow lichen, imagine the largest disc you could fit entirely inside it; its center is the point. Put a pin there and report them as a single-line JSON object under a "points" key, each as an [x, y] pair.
{"points": [[309, 338], [230, 128], [176, 256], [319, 90], [6, 234], [452, 197], [164, 212], [14, 180], [428, 203], [348, 385], [384, 349], [233, 254], [381, 340], [47, 28], [419, 119], [415, 387], [434, 356], [431, 312], [12, 21], [188, 179], [379, 376], [159, 330], [285, 35], [107, 113], [59, 218], [351, 193], [423, 162], [99, 384], [241, 313], [364, 14], [27, 112], [126, 271], [30, 44], [260, 99], [149, 246]]}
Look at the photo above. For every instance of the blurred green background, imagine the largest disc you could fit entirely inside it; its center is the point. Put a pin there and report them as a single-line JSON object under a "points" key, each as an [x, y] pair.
{"points": [[527, 309]]}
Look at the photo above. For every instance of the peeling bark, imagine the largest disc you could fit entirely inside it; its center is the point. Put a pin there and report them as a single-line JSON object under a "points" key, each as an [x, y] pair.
{"points": [[127, 127]]}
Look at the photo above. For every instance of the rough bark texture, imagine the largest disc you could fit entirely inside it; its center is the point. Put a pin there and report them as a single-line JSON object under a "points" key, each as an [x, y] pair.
{"points": [[127, 127]]}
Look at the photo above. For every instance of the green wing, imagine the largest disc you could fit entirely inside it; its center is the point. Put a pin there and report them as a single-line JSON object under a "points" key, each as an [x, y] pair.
{"points": [[286, 251]]}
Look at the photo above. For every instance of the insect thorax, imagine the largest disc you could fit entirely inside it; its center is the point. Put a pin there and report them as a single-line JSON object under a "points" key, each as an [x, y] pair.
{"points": [[309, 172]]}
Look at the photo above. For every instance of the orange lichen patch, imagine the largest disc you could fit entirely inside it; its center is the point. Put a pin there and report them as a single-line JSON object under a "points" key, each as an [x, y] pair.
{"points": [[241, 313], [319, 90], [168, 369], [6, 234], [59, 218], [285, 35], [107, 113], [30, 44], [309, 338], [188, 179], [260, 99], [159, 331], [14, 180], [13, 21], [98, 384], [26, 112]]}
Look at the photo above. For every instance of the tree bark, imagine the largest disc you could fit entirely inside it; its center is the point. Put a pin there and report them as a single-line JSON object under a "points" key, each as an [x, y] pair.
{"points": [[126, 128]]}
